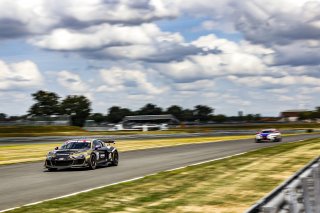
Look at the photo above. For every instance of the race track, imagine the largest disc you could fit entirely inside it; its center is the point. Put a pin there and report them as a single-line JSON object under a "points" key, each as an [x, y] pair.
{"points": [[26, 183]]}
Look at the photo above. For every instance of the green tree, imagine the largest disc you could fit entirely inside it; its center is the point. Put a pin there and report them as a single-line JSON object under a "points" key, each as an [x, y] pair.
{"points": [[316, 113], [77, 107], [98, 117], [219, 118], [188, 115], [257, 117], [249, 117], [306, 115], [116, 114], [202, 113], [3, 117], [176, 111], [150, 109], [47, 103]]}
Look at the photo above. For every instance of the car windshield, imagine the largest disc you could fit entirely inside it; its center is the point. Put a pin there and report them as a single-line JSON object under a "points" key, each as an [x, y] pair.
{"points": [[267, 131], [76, 145]]}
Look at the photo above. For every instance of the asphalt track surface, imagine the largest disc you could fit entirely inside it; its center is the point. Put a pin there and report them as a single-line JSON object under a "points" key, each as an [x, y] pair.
{"points": [[26, 183]]}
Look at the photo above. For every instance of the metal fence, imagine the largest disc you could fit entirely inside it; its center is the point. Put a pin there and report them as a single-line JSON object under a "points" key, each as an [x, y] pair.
{"points": [[300, 193]]}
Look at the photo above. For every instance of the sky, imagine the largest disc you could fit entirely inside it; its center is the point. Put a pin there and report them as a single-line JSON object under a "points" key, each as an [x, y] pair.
{"points": [[255, 56]]}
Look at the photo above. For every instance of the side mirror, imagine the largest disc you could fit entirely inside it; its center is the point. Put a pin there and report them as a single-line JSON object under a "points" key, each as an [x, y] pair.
{"points": [[110, 142], [97, 147], [56, 148]]}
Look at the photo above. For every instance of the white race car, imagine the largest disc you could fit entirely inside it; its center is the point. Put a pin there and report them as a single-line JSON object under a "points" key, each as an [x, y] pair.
{"points": [[268, 135]]}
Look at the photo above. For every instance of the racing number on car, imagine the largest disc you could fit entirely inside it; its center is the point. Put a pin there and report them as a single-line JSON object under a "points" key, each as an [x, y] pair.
{"points": [[97, 154]]}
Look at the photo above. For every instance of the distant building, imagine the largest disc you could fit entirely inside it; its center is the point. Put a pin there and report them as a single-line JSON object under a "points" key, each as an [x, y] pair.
{"points": [[53, 120], [240, 113], [269, 119], [292, 115], [147, 122], [150, 119]]}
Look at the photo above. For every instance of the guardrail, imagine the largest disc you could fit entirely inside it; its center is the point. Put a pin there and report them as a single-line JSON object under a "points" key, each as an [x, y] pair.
{"points": [[300, 193]]}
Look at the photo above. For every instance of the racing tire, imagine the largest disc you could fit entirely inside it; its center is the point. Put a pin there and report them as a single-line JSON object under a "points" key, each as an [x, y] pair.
{"points": [[52, 169], [93, 162], [115, 160], [257, 141]]}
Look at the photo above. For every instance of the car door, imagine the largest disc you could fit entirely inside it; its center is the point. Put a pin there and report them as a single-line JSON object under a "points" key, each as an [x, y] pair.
{"points": [[98, 150]]}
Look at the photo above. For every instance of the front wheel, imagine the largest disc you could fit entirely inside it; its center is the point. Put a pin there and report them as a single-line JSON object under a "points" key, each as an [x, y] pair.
{"points": [[115, 160], [257, 140], [93, 162]]}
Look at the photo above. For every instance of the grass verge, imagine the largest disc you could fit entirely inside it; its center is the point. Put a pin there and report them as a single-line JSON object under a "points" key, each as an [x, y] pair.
{"points": [[19, 153], [224, 186], [36, 131]]}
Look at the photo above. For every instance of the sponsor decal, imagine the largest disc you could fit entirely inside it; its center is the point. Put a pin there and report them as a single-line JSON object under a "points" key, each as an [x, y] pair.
{"points": [[97, 154]]}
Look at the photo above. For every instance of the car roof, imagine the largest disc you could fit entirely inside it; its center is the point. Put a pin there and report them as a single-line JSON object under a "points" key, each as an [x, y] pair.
{"points": [[268, 130], [79, 140], [88, 140]]}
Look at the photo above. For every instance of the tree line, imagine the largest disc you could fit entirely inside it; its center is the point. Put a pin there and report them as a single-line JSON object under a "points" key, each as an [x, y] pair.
{"points": [[310, 115], [78, 108]]}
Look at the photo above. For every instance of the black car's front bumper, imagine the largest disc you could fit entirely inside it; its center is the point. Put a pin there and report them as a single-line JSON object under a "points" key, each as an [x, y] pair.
{"points": [[65, 163]]}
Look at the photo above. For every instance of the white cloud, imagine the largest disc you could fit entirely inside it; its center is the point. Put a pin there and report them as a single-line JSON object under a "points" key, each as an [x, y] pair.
{"points": [[23, 74], [230, 58], [73, 83], [289, 27], [195, 86], [308, 90], [279, 90], [41, 16], [262, 81], [143, 42], [118, 79], [124, 11], [104, 35]]}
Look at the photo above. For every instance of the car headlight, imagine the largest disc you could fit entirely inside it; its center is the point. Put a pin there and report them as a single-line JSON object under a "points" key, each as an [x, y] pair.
{"points": [[79, 155], [51, 154]]}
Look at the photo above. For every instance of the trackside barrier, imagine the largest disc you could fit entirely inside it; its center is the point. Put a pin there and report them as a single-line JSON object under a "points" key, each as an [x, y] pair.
{"points": [[298, 194]]}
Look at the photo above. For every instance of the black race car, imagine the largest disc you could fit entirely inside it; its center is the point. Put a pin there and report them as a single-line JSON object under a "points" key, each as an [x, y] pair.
{"points": [[82, 154]]}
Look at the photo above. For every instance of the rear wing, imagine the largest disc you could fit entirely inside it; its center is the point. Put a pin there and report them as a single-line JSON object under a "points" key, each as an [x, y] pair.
{"points": [[109, 141]]}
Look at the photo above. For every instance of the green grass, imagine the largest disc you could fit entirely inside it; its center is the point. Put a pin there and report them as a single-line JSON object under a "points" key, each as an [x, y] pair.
{"points": [[29, 131], [34, 131], [248, 126], [223, 186]]}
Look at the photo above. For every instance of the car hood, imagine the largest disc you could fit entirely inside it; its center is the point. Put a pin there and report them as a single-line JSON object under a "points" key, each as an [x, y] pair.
{"points": [[69, 151]]}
